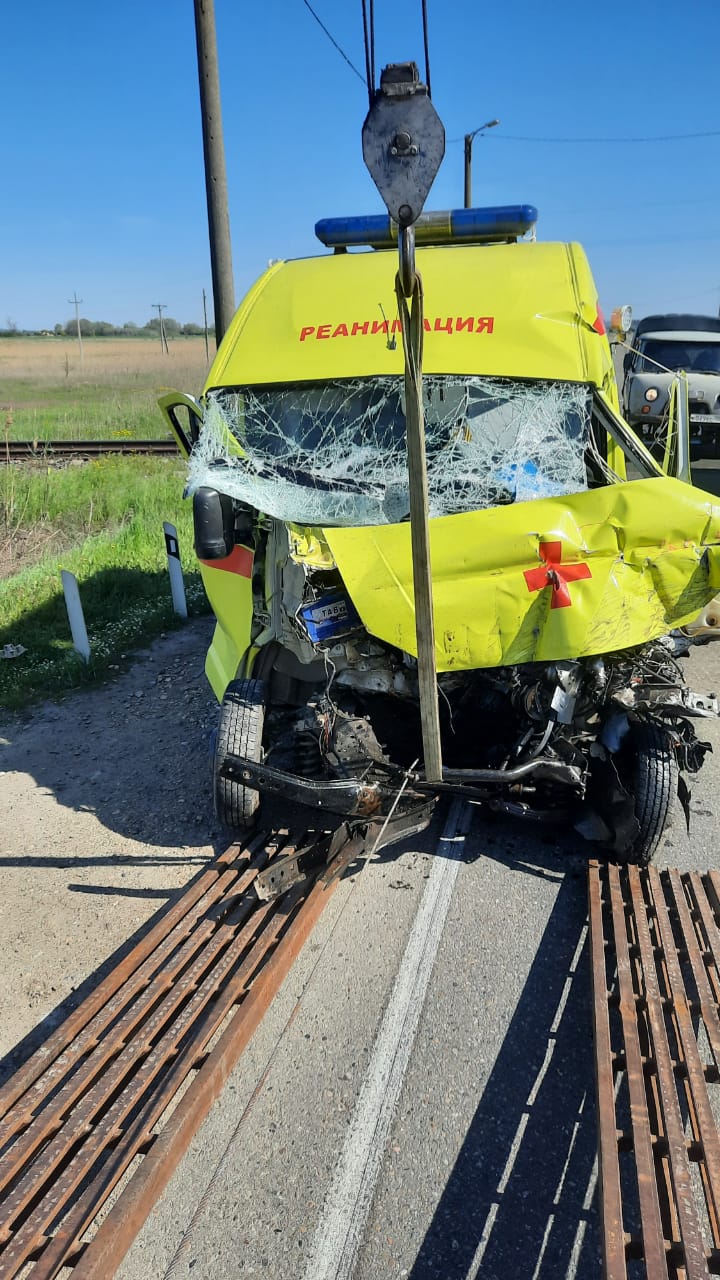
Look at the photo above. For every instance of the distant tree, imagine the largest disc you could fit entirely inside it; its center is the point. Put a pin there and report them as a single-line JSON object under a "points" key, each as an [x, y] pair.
{"points": [[86, 328], [130, 329], [193, 330], [59, 330], [170, 326]]}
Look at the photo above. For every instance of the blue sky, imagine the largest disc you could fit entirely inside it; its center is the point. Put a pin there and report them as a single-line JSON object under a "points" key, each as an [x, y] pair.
{"points": [[103, 190]]}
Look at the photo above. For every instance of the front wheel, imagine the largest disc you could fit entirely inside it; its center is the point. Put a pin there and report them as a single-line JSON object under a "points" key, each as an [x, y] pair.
{"points": [[240, 733], [654, 785]]}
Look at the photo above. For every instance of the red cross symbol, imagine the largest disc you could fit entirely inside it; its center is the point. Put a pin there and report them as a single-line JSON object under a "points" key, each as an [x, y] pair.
{"points": [[553, 572]]}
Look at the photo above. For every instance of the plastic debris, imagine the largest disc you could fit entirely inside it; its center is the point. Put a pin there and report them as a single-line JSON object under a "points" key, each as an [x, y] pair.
{"points": [[12, 651]]}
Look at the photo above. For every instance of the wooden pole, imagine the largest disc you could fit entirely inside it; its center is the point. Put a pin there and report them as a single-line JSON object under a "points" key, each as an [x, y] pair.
{"points": [[76, 302], [215, 175], [160, 307]]}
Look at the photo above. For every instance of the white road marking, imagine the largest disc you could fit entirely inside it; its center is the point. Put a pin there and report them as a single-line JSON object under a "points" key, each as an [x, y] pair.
{"points": [[347, 1204]]}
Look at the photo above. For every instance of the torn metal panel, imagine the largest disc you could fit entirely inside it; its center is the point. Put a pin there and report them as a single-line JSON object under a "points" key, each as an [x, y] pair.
{"points": [[584, 574]]}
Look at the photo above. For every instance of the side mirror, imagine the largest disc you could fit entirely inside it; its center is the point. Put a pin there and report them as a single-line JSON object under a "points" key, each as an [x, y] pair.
{"points": [[214, 524], [627, 361]]}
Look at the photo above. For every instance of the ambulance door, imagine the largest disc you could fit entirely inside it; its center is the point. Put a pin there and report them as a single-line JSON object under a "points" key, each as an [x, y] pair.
{"points": [[184, 418]]}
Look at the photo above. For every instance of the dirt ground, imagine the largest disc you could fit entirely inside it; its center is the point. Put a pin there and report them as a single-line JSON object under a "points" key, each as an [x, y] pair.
{"points": [[105, 810]]}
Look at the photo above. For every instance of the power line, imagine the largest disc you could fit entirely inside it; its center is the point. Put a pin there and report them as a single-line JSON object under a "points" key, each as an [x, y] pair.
{"points": [[663, 137], [334, 42]]}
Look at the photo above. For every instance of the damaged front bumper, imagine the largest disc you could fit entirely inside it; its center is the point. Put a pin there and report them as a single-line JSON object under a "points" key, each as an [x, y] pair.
{"points": [[404, 790], [352, 840]]}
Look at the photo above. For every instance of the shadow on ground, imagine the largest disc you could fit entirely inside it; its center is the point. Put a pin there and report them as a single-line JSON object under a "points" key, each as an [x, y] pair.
{"points": [[135, 752], [35, 1038], [519, 1201]]}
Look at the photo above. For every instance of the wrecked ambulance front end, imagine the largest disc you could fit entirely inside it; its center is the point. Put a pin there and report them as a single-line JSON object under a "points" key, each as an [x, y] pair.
{"points": [[561, 554]]}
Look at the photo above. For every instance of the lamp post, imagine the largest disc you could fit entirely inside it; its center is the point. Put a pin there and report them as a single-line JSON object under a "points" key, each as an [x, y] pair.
{"points": [[489, 124]]}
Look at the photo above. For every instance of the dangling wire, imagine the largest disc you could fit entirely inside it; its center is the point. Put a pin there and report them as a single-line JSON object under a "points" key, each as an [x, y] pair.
{"points": [[368, 10], [426, 46]]}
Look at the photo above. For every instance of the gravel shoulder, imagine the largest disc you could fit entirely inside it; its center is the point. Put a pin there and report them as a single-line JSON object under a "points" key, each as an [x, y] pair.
{"points": [[105, 812]]}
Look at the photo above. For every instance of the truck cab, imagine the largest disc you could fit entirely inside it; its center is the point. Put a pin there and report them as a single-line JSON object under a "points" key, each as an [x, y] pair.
{"points": [[663, 346]]}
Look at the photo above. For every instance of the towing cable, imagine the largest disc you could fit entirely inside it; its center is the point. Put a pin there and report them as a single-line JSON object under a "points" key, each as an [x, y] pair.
{"points": [[403, 145]]}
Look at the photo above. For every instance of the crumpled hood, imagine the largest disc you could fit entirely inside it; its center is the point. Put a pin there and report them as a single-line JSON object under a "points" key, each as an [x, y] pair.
{"points": [[536, 581]]}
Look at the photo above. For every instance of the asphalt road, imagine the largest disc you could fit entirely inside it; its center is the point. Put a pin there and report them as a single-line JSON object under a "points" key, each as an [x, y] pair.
{"points": [[419, 1101]]}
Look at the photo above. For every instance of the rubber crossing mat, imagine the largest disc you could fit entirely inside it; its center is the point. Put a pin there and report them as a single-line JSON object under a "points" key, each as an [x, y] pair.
{"points": [[655, 944]]}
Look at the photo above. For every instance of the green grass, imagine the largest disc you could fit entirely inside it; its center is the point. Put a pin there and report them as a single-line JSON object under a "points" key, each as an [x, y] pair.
{"points": [[86, 413], [84, 498], [110, 515]]}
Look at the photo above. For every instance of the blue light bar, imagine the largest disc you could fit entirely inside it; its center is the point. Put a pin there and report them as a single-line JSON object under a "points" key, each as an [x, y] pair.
{"points": [[452, 226]]}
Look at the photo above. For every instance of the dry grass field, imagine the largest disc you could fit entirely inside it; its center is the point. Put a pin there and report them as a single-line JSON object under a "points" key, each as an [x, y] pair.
{"points": [[48, 392]]}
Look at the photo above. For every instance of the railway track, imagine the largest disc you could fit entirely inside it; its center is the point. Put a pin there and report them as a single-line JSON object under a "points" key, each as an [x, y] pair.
{"points": [[36, 450], [655, 944], [97, 1099], [94, 1123]]}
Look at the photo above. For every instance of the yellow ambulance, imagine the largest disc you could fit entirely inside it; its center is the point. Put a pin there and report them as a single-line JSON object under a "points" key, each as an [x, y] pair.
{"points": [[563, 555]]}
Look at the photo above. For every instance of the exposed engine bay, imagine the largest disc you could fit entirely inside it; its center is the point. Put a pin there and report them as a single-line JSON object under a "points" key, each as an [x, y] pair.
{"points": [[603, 743]]}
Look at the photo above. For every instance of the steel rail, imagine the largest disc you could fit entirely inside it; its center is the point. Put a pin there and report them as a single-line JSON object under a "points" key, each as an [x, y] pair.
{"points": [[655, 950], [174, 1014], [42, 450]]}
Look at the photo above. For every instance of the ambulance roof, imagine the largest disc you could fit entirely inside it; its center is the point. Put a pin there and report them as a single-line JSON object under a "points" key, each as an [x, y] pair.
{"points": [[512, 310]]}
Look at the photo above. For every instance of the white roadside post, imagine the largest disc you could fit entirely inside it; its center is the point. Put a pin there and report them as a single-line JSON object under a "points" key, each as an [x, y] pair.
{"points": [[76, 618], [177, 584]]}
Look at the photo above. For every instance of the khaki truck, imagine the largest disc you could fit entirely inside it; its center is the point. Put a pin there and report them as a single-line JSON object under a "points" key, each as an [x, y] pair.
{"points": [[661, 347]]}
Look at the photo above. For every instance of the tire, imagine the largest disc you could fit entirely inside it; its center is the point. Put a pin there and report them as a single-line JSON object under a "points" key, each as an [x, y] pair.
{"points": [[654, 785], [240, 733]]}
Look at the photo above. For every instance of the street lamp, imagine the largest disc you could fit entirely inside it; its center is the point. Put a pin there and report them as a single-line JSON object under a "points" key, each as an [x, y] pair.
{"points": [[489, 124]]}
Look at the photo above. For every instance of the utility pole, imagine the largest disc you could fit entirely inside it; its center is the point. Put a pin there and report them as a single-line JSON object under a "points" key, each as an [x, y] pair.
{"points": [[215, 176], [205, 327], [76, 302], [489, 124], [160, 307]]}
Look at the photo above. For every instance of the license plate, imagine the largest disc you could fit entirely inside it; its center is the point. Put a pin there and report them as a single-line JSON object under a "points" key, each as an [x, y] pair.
{"points": [[704, 417], [330, 612]]}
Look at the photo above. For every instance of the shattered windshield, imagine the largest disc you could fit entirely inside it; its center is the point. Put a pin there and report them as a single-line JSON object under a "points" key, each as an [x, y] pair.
{"points": [[333, 453]]}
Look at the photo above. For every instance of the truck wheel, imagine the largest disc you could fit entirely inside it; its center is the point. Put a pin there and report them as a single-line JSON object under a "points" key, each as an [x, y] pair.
{"points": [[654, 784], [240, 732]]}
